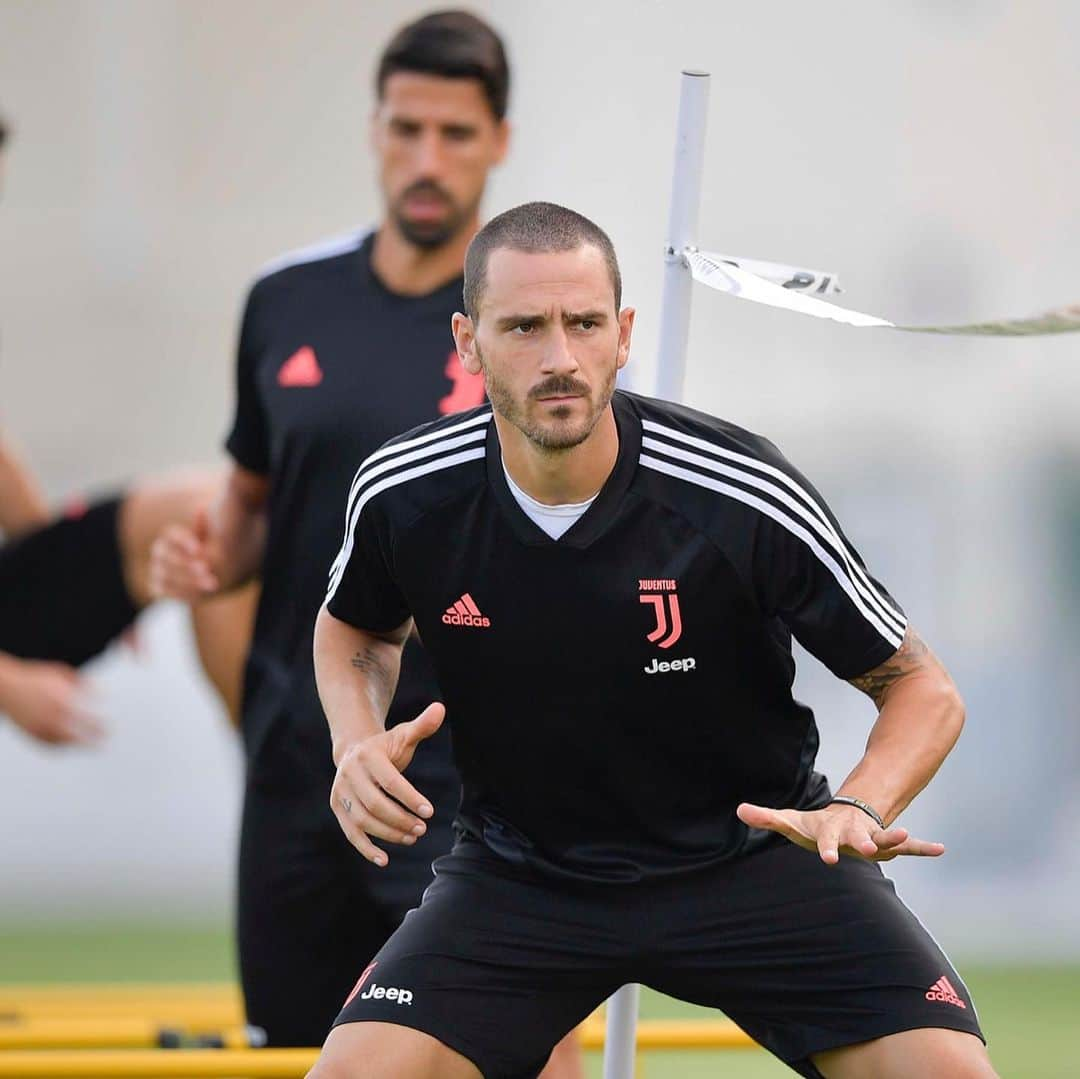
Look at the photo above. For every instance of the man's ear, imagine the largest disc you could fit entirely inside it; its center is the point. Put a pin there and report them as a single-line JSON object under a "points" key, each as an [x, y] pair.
{"points": [[502, 141], [373, 130], [626, 329], [465, 340]]}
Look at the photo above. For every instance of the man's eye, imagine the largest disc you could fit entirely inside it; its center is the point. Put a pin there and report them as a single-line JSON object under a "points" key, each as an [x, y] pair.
{"points": [[406, 130], [587, 324], [525, 327], [458, 134]]}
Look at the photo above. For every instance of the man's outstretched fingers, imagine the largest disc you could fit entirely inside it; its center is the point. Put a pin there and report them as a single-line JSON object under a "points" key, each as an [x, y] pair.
{"points": [[858, 838], [773, 820], [378, 826], [400, 789], [758, 816], [919, 848], [379, 806], [358, 838], [828, 843], [887, 838], [425, 724]]}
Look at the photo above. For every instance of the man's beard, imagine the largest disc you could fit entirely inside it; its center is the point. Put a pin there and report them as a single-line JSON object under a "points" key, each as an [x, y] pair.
{"points": [[430, 235], [555, 435]]}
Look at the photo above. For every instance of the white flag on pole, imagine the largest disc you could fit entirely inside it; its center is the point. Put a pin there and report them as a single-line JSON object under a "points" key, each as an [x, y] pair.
{"points": [[735, 277]]}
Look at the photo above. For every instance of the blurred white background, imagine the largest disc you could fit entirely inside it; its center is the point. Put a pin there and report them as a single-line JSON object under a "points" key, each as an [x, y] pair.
{"points": [[929, 152]]}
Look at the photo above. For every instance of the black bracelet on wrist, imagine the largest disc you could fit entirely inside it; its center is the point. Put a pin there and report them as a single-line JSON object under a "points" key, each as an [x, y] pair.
{"points": [[858, 803]]}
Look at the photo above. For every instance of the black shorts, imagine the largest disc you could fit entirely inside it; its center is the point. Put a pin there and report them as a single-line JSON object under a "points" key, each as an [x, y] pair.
{"points": [[499, 963], [311, 910], [62, 590]]}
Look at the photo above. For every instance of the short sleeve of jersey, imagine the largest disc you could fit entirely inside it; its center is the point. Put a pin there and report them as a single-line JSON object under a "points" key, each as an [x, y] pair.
{"points": [[363, 591], [248, 442], [809, 576]]}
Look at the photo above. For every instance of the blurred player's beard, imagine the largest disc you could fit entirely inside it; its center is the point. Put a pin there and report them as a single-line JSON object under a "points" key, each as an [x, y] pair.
{"points": [[560, 431], [430, 235]]}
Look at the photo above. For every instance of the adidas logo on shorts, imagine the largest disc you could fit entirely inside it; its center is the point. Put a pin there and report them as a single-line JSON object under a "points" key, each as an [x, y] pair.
{"points": [[943, 990]]}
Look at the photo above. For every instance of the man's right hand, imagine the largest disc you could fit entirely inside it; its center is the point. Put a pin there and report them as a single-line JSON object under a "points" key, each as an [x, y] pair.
{"points": [[181, 561], [49, 701], [370, 796]]}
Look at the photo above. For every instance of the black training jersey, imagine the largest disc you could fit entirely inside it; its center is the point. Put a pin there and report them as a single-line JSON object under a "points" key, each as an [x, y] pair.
{"points": [[331, 365], [616, 693]]}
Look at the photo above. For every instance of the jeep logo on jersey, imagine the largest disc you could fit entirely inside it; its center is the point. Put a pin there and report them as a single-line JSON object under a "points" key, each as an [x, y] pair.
{"points": [[661, 594], [464, 612]]}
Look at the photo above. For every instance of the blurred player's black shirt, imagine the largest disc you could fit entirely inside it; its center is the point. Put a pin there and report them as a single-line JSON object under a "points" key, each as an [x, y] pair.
{"points": [[613, 695], [331, 364]]}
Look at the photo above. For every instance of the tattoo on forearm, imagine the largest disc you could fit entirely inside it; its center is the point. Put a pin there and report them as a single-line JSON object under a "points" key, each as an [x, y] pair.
{"points": [[912, 654], [368, 662], [380, 678]]}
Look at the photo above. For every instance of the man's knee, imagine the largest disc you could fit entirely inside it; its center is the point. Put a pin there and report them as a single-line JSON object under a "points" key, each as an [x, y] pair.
{"points": [[370, 1050], [910, 1054]]}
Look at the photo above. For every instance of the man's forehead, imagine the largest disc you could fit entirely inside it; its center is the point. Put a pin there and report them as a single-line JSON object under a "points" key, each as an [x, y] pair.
{"points": [[417, 95], [578, 278]]}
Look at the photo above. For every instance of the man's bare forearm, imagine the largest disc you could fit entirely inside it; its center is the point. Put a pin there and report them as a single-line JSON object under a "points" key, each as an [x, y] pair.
{"points": [[356, 673], [920, 716], [239, 522], [10, 670]]}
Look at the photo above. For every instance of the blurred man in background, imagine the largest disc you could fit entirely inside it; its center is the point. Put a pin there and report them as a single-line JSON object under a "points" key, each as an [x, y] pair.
{"points": [[342, 346], [71, 584]]}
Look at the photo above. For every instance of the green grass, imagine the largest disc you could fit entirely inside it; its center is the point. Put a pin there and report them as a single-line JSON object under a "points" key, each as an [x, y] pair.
{"points": [[1027, 1011], [115, 953]]}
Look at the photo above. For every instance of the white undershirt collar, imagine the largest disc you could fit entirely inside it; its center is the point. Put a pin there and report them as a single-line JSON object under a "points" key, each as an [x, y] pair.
{"points": [[554, 520]]}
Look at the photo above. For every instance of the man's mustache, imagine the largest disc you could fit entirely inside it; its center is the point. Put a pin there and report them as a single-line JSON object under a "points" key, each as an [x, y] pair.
{"points": [[427, 187], [560, 386]]}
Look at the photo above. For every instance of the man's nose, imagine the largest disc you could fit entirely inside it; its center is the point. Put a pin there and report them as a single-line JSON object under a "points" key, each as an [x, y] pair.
{"points": [[430, 155], [559, 355]]}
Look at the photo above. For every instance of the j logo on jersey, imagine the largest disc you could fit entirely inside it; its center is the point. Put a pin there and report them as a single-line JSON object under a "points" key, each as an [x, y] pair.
{"points": [[661, 594]]}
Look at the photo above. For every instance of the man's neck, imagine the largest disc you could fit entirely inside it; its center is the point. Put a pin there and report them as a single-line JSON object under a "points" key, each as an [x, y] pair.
{"points": [[409, 270], [558, 477]]}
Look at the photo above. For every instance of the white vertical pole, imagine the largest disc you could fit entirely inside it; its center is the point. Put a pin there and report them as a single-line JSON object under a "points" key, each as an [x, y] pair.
{"points": [[622, 1010], [682, 229], [620, 1041]]}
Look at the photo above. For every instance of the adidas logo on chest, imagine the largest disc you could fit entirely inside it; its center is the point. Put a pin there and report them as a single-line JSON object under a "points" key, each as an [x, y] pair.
{"points": [[464, 612]]}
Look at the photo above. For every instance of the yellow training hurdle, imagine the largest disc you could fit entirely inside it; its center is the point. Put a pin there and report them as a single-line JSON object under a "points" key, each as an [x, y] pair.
{"points": [[115, 1033], [201, 1005], [158, 1064], [97, 1031]]}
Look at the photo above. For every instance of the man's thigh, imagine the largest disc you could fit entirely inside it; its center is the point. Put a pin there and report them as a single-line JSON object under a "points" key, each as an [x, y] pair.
{"points": [[911, 1054], [496, 964], [387, 1051], [808, 958]]}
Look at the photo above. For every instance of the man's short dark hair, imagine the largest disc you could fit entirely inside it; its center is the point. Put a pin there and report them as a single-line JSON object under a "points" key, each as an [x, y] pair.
{"points": [[538, 228], [452, 45]]}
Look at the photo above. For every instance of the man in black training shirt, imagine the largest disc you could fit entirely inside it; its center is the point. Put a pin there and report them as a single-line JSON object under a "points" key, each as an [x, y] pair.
{"points": [[608, 586], [341, 346]]}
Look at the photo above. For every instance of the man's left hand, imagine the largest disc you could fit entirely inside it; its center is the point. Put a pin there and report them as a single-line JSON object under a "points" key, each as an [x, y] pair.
{"points": [[836, 830]]}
